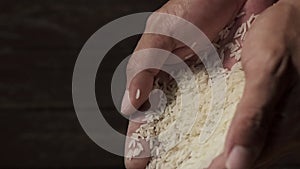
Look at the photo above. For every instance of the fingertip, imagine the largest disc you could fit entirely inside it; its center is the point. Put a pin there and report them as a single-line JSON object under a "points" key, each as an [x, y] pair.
{"points": [[218, 162], [136, 163], [131, 101], [132, 159], [240, 158], [127, 107], [137, 92]]}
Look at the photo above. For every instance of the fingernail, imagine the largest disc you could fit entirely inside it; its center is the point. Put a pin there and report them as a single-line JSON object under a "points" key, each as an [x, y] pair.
{"points": [[240, 158]]}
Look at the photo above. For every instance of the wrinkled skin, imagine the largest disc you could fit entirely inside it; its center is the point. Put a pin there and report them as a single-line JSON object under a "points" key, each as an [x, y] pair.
{"points": [[260, 135], [265, 122]]}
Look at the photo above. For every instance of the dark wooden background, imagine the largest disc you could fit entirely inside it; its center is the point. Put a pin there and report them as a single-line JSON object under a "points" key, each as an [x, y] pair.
{"points": [[39, 44]]}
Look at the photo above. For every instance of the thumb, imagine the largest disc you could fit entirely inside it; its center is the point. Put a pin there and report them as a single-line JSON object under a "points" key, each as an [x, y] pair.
{"points": [[264, 67]]}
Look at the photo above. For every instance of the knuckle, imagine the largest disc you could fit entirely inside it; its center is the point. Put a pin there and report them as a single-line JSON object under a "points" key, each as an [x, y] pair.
{"points": [[253, 122], [161, 22], [155, 19], [151, 20], [271, 57]]}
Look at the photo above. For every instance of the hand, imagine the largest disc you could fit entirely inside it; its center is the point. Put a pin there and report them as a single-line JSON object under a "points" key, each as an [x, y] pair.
{"points": [[266, 124], [209, 15]]}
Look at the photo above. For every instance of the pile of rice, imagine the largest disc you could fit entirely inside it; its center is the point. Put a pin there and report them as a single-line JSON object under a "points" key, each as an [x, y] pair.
{"points": [[170, 147]]}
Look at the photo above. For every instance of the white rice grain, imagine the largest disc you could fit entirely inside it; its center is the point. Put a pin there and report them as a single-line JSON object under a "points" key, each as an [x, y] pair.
{"points": [[175, 150], [138, 94]]}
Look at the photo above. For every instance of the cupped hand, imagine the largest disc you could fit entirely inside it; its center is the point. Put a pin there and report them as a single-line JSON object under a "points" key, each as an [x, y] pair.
{"points": [[208, 15], [265, 129]]}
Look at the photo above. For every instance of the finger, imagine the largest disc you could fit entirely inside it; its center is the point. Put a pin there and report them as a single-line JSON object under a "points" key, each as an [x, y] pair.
{"points": [[218, 162], [251, 122], [143, 82], [250, 8], [139, 86], [264, 66], [140, 161], [211, 27]]}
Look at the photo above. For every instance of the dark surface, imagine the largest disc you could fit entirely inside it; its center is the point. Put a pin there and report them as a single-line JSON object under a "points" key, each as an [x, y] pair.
{"points": [[39, 44]]}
